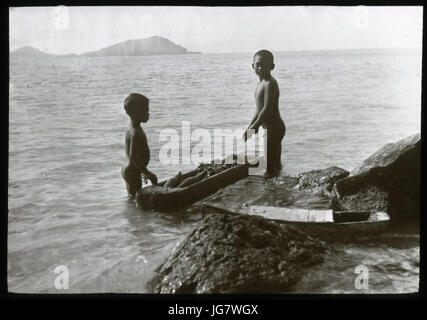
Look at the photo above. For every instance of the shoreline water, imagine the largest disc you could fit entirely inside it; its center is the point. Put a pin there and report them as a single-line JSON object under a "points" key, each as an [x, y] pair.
{"points": [[67, 200]]}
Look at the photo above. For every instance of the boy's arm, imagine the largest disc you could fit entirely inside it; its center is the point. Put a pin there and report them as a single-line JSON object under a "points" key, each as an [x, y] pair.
{"points": [[253, 119], [134, 157], [245, 134], [268, 105]]}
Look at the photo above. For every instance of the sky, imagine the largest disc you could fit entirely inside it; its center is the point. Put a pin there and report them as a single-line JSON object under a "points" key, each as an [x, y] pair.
{"points": [[64, 30]]}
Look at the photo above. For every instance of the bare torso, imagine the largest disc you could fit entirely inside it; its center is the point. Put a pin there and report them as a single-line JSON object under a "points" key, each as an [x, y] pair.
{"points": [[137, 136], [138, 156]]}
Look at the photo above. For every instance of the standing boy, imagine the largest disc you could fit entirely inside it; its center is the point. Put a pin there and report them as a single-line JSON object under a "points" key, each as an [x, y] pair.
{"points": [[267, 111], [137, 151]]}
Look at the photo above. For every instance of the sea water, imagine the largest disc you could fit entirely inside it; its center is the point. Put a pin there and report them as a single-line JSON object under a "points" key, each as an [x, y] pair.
{"points": [[67, 201]]}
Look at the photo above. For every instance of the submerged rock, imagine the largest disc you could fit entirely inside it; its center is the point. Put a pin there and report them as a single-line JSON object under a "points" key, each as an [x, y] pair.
{"points": [[238, 254], [389, 180]]}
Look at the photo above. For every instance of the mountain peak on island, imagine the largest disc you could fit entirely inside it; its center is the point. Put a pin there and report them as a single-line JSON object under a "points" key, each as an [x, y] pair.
{"points": [[28, 51], [157, 37], [154, 45]]}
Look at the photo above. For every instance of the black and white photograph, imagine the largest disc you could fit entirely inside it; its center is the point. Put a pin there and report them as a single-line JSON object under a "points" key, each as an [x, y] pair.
{"points": [[214, 150]]}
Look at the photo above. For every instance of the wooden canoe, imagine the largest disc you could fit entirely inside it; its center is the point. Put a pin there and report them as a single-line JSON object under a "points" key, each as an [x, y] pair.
{"points": [[164, 199], [318, 222]]}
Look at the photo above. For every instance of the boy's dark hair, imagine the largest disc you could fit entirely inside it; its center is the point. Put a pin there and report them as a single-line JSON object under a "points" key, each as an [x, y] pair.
{"points": [[134, 102], [265, 53]]}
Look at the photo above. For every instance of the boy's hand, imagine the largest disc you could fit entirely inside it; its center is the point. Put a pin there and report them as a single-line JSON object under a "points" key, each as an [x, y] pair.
{"points": [[153, 178], [247, 134]]}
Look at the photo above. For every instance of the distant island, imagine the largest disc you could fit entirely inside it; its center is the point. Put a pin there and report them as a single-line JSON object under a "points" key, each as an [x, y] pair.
{"points": [[140, 47]]}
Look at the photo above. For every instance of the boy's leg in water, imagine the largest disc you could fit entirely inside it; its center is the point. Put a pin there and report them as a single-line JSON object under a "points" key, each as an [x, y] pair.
{"points": [[133, 180], [271, 151], [278, 162], [274, 149], [278, 166]]}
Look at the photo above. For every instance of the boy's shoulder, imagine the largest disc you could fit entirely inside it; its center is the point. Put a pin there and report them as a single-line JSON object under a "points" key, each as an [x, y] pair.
{"points": [[273, 80], [271, 83], [136, 132]]}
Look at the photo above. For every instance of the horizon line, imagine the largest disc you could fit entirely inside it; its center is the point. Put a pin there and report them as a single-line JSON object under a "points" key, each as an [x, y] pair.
{"points": [[227, 52]]}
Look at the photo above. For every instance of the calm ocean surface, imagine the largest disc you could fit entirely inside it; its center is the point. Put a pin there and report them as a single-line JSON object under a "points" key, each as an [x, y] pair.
{"points": [[67, 200]]}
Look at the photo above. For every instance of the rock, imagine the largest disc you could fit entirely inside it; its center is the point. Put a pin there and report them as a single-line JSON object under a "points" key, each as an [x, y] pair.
{"points": [[238, 254], [320, 181], [389, 180], [393, 155], [367, 198]]}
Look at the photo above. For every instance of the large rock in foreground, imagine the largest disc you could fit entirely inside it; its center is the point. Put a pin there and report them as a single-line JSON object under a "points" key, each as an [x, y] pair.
{"points": [[398, 157], [389, 180], [238, 254]]}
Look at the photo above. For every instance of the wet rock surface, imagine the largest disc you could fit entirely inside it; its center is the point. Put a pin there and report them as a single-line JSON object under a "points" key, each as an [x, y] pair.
{"points": [[238, 254], [254, 190], [389, 180]]}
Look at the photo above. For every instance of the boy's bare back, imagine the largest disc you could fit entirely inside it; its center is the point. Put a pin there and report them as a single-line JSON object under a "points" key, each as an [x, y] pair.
{"points": [[267, 92]]}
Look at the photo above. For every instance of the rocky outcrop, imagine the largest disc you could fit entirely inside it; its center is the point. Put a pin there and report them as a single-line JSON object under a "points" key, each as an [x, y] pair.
{"points": [[230, 253], [389, 180], [320, 181], [402, 154]]}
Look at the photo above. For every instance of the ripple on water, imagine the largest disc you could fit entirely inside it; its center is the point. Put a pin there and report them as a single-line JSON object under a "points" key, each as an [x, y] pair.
{"points": [[391, 269]]}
